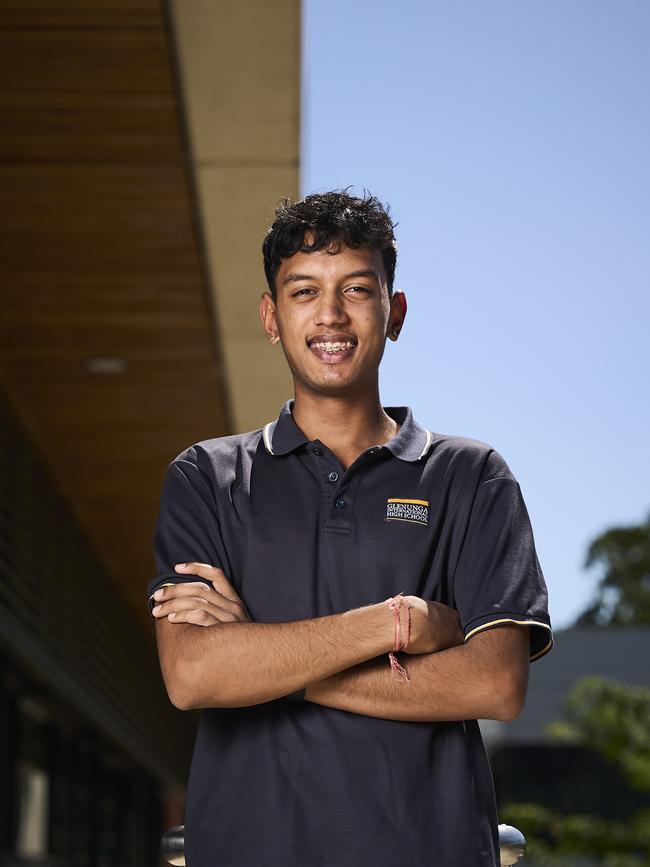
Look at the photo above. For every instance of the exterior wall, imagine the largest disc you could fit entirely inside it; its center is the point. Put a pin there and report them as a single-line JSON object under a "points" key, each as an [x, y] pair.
{"points": [[90, 746], [617, 653]]}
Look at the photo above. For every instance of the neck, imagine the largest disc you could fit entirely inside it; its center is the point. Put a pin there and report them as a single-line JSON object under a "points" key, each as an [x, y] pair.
{"points": [[348, 423]]}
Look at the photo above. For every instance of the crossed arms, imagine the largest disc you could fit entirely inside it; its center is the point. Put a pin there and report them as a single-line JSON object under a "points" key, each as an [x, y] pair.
{"points": [[213, 655]]}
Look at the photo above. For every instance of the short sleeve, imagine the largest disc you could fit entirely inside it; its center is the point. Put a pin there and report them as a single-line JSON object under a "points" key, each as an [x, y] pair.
{"points": [[188, 527], [498, 578]]}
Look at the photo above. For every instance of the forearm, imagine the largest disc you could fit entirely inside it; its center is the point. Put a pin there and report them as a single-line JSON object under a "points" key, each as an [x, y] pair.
{"points": [[238, 664], [477, 680]]}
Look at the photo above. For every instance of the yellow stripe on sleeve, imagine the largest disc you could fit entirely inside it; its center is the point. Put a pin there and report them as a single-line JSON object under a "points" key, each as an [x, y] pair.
{"points": [[537, 655]]}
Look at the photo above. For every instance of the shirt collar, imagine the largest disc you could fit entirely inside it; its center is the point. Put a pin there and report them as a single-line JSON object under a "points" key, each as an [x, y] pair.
{"points": [[412, 442], [283, 435]]}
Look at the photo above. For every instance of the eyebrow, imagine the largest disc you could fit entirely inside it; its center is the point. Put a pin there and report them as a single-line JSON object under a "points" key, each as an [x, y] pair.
{"points": [[364, 272]]}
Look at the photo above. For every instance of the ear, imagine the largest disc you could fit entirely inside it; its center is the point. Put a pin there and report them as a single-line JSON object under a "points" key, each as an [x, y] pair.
{"points": [[397, 315], [268, 317]]}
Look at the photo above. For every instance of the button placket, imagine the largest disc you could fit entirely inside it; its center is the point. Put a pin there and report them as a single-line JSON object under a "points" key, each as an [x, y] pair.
{"points": [[341, 515], [330, 477], [338, 486], [337, 496]]}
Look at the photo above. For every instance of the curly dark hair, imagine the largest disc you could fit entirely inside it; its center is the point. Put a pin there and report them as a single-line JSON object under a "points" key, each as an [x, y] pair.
{"points": [[334, 218]]}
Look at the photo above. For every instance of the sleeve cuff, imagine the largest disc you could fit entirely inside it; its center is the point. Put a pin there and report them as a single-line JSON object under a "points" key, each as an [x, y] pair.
{"points": [[541, 634]]}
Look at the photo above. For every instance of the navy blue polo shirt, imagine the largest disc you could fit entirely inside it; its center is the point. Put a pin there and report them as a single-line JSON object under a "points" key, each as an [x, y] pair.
{"points": [[281, 784]]}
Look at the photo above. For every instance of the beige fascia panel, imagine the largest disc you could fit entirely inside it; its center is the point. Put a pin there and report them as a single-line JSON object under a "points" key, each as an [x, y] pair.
{"points": [[239, 68], [237, 208], [264, 378]]}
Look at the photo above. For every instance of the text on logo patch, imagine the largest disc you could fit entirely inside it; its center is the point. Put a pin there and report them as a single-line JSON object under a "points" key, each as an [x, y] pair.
{"points": [[414, 511]]}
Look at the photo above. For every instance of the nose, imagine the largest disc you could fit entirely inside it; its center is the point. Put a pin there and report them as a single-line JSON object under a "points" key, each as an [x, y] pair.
{"points": [[330, 310]]}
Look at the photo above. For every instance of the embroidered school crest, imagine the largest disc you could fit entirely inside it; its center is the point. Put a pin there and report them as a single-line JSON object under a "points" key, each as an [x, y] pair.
{"points": [[413, 511]]}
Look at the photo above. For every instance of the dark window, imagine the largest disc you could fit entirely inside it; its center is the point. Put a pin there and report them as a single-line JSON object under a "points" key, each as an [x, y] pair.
{"points": [[569, 779], [74, 799]]}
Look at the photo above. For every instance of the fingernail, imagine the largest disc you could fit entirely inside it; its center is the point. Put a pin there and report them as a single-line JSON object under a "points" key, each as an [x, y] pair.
{"points": [[158, 594], [156, 608], [172, 615], [181, 565]]}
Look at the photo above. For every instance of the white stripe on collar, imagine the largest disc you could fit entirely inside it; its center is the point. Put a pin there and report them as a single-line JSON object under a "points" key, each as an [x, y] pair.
{"points": [[267, 437], [266, 434], [426, 445]]}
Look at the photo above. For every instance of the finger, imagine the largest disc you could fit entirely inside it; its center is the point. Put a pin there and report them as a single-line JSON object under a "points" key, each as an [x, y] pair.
{"points": [[205, 570], [201, 593], [222, 585], [196, 590], [188, 603], [202, 616], [224, 588], [215, 574], [197, 616], [185, 588], [219, 580], [170, 588]]}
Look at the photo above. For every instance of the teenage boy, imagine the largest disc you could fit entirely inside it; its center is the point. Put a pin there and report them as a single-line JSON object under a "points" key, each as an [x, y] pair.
{"points": [[343, 592]]}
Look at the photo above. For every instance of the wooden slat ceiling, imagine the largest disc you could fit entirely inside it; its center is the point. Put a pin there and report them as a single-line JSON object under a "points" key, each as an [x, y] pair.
{"points": [[100, 257]]}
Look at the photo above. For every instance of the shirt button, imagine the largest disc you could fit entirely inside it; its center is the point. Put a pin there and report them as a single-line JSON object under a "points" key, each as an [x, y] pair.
{"points": [[317, 451], [333, 477], [341, 503]]}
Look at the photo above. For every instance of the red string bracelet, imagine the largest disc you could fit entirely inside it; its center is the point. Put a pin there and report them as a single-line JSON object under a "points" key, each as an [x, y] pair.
{"points": [[394, 604]]}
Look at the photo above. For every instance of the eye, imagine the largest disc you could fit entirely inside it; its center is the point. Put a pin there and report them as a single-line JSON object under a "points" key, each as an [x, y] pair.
{"points": [[302, 291], [360, 288]]}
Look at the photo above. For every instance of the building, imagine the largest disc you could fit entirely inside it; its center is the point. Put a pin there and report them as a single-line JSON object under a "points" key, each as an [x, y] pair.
{"points": [[144, 146], [532, 767]]}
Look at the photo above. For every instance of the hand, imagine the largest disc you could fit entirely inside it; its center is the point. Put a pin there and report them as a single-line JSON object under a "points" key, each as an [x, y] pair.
{"points": [[195, 602], [434, 626]]}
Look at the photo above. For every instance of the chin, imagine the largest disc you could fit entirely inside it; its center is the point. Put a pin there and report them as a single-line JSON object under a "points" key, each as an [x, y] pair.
{"points": [[332, 380], [339, 386]]}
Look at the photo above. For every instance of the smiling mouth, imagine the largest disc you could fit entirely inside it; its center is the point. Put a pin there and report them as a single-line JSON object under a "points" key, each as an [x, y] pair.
{"points": [[332, 345], [332, 351]]}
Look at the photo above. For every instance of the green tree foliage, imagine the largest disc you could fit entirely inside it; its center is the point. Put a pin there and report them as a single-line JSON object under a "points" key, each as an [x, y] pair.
{"points": [[557, 840], [610, 718], [614, 720], [623, 593]]}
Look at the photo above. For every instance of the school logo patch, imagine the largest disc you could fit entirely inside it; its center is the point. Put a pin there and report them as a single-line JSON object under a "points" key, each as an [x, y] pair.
{"points": [[413, 511]]}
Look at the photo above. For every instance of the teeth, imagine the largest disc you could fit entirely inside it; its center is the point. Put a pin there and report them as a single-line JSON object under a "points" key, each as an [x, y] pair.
{"points": [[330, 346]]}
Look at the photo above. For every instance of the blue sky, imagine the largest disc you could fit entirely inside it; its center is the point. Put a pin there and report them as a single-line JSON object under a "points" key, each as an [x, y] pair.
{"points": [[512, 142]]}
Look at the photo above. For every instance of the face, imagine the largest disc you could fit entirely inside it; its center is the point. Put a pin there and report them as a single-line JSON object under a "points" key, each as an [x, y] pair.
{"points": [[332, 315]]}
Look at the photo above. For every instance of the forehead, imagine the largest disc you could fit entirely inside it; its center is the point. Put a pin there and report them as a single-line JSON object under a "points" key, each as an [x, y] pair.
{"points": [[331, 265]]}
